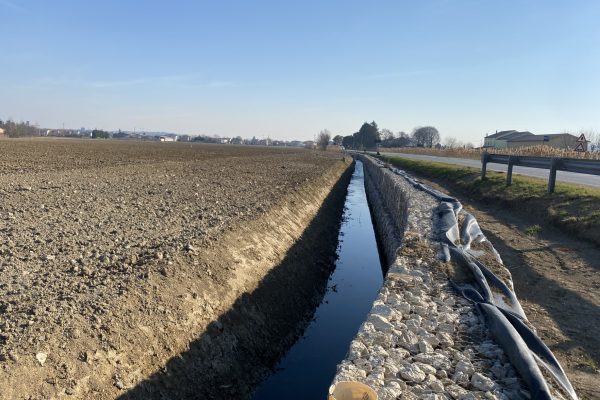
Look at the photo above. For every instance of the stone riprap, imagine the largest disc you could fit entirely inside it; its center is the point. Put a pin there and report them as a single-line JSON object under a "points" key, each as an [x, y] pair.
{"points": [[422, 340]]}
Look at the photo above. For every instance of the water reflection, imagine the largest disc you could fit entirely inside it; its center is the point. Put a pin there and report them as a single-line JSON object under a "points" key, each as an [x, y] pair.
{"points": [[306, 371]]}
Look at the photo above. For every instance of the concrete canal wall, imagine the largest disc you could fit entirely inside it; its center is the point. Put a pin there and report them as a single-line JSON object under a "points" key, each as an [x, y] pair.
{"points": [[422, 339]]}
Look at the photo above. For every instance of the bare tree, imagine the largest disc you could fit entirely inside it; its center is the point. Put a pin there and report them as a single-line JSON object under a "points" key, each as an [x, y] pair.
{"points": [[323, 139], [386, 134], [593, 138], [426, 136], [451, 142]]}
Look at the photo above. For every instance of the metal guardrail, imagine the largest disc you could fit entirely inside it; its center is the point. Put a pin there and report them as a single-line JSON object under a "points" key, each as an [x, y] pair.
{"points": [[576, 165]]}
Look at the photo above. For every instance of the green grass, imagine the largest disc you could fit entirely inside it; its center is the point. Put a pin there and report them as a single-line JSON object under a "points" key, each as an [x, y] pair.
{"points": [[589, 362], [573, 208], [533, 230]]}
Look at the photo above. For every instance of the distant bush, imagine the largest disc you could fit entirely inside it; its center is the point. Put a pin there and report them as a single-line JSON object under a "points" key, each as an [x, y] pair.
{"points": [[100, 134]]}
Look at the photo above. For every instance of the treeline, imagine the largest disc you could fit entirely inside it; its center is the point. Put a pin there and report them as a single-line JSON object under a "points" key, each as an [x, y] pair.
{"points": [[100, 134], [369, 136], [18, 129]]}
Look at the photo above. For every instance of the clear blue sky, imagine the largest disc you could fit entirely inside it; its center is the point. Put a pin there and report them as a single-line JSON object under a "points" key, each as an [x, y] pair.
{"points": [[273, 68]]}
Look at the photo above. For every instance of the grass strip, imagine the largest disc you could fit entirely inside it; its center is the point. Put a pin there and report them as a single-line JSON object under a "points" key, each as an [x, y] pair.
{"points": [[572, 208]]}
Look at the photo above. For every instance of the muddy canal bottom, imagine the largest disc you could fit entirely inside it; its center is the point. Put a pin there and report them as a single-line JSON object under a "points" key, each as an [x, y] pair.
{"points": [[308, 368]]}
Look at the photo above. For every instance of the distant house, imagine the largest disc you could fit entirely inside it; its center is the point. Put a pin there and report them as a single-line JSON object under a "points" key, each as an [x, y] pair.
{"points": [[166, 139], [499, 140], [1, 132], [512, 139], [558, 140]]}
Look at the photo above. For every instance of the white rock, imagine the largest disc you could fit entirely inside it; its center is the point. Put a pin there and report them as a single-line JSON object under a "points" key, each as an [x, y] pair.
{"points": [[391, 369], [403, 307], [384, 311], [436, 386], [373, 382], [391, 391], [421, 310], [350, 372], [366, 328], [455, 391], [357, 350], [448, 328], [397, 355], [445, 339], [425, 347], [491, 396], [430, 378], [465, 367], [412, 373], [41, 358], [380, 323], [385, 340], [412, 326], [428, 369], [429, 325], [397, 383], [415, 317], [408, 340], [441, 374], [461, 378], [482, 382], [431, 339], [364, 364], [436, 360], [432, 396], [377, 373], [376, 360]]}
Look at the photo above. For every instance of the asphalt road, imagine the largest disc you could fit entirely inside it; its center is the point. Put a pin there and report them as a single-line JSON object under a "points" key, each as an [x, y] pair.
{"points": [[563, 176]]}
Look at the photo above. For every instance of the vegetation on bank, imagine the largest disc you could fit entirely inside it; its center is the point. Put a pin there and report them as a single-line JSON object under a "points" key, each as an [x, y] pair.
{"points": [[572, 208], [475, 154]]}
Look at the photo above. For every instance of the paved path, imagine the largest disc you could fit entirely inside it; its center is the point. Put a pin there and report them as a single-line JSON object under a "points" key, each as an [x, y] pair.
{"points": [[571, 177]]}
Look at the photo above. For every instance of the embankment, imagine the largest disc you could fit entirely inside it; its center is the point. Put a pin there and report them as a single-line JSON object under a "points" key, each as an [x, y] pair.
{"points": [[572, 208], [423, 339]]}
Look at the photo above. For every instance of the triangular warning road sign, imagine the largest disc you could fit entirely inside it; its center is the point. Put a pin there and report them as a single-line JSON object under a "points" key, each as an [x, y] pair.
{"points": [[582, 139], [579, 147]]}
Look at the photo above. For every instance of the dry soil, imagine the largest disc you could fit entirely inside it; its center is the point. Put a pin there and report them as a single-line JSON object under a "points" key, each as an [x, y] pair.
{"points": [[125, 267]]}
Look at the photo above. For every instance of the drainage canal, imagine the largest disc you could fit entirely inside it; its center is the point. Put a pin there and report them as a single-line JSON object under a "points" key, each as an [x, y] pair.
{"points": [[308, 368]]}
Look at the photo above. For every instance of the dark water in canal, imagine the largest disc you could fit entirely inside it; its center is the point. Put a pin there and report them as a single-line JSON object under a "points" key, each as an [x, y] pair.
{"points": [[306, 371]]}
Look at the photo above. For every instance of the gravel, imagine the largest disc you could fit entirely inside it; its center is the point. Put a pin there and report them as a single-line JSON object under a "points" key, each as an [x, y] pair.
{"points": [[420, 335]]}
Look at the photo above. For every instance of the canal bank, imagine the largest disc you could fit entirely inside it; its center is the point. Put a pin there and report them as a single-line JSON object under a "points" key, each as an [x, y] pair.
{"points": [[422, 338]]}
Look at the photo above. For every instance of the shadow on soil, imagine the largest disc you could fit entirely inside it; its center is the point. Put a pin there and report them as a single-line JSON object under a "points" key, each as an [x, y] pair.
{"points": [[240, 348], [583, 320]]}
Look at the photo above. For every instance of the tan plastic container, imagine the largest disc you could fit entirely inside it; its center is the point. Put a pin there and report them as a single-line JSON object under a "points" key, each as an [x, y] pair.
{"points": [[346, 390]]}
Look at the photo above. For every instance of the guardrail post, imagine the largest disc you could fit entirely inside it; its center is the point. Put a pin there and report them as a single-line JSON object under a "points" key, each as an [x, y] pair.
{"points": [[552, 177], [484, 160], [511, 161]]}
